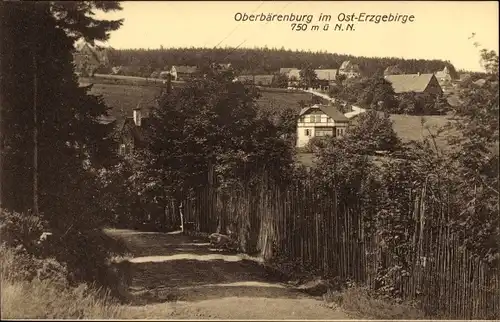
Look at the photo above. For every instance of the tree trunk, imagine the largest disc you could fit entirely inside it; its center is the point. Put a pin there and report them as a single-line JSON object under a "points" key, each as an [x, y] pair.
{"points": [[35, 137]]}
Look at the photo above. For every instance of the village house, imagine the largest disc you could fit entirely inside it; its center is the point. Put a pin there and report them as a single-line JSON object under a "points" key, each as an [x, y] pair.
{"points": [[294, 77], [258, 80], [183, 72], [88, 58], [445, 75], [349, 69], [393, 70], [417, 83], [318, 121], [326, 77], [222, 67], [131, 132]]}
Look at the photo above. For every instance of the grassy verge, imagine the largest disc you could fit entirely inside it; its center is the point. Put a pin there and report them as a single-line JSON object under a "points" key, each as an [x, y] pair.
{"points": [[44, 300], [30, 290], [358, 303]]}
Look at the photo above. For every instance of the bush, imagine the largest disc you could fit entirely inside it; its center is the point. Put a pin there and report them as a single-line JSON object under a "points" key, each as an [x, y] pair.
{"points": [[18, 265], [21, 230], [69, 258], [38, 288]]}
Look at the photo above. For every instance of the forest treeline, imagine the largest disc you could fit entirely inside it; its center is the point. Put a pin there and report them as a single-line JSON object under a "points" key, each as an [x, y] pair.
{"points": [[264, 60]]}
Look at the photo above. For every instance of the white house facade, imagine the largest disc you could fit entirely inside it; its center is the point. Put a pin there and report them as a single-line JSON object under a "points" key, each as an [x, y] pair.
{"points": [[319, 121]]}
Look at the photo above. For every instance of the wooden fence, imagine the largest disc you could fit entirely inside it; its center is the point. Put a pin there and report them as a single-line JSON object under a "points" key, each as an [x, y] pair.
{"points": [[316, 227]]}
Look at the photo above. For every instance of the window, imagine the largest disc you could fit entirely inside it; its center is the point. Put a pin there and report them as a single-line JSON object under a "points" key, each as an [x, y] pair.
{"points": [[323, 131], [312, 118], [318, 118], [308, 132], [302, 119]]}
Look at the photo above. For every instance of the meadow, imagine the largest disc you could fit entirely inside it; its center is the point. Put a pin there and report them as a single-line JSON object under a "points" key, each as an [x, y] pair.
{"points": [[124, 95]]}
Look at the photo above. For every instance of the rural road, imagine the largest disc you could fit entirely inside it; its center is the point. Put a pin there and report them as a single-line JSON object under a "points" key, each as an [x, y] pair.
{"points": [[180, 277]]}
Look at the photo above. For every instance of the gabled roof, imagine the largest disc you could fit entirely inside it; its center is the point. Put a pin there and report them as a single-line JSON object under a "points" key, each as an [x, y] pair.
{"points": [[99, 52], [393, 70], [326, 74], [348, 65], [480, 82], [409, 82], [286, 70], [186, 69], [329, 110]]}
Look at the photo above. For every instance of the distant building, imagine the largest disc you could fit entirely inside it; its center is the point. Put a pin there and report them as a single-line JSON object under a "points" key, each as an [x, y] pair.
{"points": [[88, 58], [319, 121], [349, 69], [417, 83], [132, 132], [326, 77], [183, 72], [294, 77], [393, 70], [223, 67], [446, 75], [258, 80], [286, 70], [164, 74]]}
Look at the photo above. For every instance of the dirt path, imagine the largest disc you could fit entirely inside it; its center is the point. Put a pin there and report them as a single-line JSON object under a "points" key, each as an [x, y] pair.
{"points": [[180, 277]]}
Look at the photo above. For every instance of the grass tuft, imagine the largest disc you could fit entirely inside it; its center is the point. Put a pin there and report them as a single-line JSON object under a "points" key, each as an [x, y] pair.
{"points": [[358, 303], [43, 295]]}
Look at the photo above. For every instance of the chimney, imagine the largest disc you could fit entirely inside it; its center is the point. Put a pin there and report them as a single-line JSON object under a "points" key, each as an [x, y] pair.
{"points": [[137, 116]]}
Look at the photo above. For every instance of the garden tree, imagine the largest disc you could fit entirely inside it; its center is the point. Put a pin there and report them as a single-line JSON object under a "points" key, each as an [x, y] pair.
{"points": [[421, 104], [212, 123], [350, 91], [373, 131], [51, 138], [287, 123], [280, 80], [475, 155], [409, 103], [378, 94], [308, 77], [339, 80]]}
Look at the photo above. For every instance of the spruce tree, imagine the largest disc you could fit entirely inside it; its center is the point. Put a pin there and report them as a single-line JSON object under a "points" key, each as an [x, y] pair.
{"points": [[51, 137]]}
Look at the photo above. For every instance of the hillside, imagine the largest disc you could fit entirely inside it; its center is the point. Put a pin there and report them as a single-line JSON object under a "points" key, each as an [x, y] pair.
{"points": [[279, 100], [123, 96], [122, 99]]}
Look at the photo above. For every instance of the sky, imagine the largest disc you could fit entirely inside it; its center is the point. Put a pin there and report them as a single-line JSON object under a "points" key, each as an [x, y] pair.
{"points": [[440, 29]]}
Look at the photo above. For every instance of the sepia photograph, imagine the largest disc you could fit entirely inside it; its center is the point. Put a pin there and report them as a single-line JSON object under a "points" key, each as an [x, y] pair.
{"points": [[249, 160]]}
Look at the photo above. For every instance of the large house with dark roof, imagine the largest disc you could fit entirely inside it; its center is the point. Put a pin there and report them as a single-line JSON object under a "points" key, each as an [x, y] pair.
{"points": [[446, 75], [349, 69], [417, 83], [320, 120], [88, 58]]}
